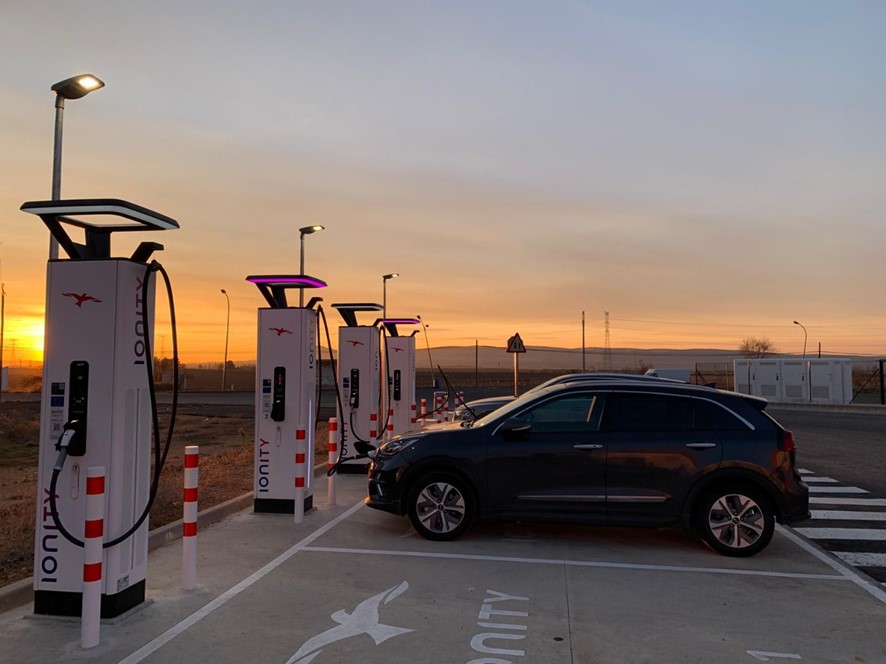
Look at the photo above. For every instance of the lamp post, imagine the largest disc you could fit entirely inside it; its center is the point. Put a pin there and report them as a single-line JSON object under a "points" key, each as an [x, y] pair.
{"points": [[805, 336], [305, 230], [227, 331], [2, 328], [384, 292], [71, 88]]}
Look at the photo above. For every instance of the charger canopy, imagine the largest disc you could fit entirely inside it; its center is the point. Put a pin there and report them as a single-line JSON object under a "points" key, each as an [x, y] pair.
{"points": [[274, 286], [99, 217]]}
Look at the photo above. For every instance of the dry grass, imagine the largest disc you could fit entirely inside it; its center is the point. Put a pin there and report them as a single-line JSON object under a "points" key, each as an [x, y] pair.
{"points": [[226, 469]]}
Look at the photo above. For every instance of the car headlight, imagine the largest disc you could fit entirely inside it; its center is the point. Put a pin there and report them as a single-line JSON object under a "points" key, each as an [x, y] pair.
{"points": [[398, 445]]}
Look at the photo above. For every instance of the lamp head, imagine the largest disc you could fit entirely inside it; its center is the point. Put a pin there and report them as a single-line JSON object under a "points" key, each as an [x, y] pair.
{"points": [[385, 277], [307, 230], [77, 86]]}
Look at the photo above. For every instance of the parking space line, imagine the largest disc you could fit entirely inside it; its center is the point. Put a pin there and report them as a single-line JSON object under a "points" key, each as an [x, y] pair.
{"points": [[836, 489], [834, 563], [824, 480], [575, 563], [229, 594]]}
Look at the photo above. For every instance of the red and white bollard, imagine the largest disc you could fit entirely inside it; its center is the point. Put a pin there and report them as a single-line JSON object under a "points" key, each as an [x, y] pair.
{"points": [[390, 427], [189, 522], [424, 408], [333, 459], [412, 418], [93, 538], [373, 427], [438, 409], [301, 474]]}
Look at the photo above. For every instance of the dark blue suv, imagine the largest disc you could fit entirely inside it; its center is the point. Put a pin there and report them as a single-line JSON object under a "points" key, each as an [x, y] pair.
{"points": [[604, 452]]}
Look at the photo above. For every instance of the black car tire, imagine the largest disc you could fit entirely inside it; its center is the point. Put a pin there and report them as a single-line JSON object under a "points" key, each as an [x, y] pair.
{"points": [[441, 506], [736, 520]]}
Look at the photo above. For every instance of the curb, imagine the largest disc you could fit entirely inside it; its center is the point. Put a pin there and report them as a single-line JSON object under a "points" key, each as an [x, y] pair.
{"points": [[22, 592]]}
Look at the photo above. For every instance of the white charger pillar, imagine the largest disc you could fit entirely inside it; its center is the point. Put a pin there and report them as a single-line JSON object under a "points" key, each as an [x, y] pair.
{"points": [[359, 375], [285, 396], [99, 324], [400, 370]]}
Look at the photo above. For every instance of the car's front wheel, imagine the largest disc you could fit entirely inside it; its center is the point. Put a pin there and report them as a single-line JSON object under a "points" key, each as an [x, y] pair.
{"points": [[441, 506], [736, 521]]}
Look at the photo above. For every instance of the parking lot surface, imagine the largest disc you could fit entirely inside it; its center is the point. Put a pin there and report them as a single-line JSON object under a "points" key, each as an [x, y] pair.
{"points": [[351, 584]]}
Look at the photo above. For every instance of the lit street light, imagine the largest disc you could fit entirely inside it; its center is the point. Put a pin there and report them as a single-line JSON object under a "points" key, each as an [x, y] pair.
{"points": [[71, 88], [384, 292], [306, 230], [805, 336], [227, 332]]}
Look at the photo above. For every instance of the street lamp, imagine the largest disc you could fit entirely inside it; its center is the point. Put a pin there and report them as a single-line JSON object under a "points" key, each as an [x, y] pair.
{"points": [[805, 336], [227, 331], [306, 230], [384, 292], [71, 88]]}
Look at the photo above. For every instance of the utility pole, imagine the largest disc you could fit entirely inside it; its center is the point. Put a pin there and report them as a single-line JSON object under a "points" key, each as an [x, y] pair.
{"points": [[607, 348], [2, 330], [583, 341]]}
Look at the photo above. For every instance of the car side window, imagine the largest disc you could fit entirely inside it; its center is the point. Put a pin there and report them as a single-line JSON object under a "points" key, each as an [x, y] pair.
{"points": [[710, 416], [571, 413], [649, 412]]}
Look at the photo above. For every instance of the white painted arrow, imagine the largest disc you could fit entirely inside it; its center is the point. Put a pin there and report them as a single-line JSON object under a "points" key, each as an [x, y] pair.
{"points": [[766, 656]]}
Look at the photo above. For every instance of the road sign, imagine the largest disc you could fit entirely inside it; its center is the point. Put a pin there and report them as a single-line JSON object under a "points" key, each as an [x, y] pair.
{"points": [[515, 344]]}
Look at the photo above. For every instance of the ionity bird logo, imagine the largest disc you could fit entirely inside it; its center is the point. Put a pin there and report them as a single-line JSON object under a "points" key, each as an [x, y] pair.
{"points": [[80, 298]]}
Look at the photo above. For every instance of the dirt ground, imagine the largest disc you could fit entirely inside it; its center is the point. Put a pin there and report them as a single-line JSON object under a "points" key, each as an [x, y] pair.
{"points": [[225, 438]]}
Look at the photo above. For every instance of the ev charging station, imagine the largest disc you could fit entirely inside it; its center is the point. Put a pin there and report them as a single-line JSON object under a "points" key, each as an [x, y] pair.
{"points": [[359, 370], [400, 367], [285, 393], [97, 404]]}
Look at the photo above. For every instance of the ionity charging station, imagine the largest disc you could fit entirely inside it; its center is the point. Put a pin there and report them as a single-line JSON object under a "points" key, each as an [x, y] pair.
{"points": [[285, 395], [400, 365], [97, 406], [359, 370]]}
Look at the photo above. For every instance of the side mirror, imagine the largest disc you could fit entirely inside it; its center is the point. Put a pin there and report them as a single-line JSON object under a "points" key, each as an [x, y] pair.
{"points": [[515, 429]]}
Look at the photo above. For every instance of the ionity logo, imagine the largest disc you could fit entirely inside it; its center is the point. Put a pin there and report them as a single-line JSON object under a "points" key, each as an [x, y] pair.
{"points": [[363, 619], [80, 298]]}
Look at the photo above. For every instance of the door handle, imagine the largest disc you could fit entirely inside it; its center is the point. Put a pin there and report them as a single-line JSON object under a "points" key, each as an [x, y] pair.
{"points": [[701, 446], [588, 446]]}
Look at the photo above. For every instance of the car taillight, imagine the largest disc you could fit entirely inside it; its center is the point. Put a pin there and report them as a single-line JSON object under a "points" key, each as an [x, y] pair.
{"points": [[787, 441]]}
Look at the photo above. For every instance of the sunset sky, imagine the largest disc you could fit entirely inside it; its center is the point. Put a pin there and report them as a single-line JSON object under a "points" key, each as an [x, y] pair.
{"points": [[704, 171]]}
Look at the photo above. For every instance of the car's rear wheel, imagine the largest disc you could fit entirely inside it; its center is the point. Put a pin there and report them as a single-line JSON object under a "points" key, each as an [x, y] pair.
{"points": [[441, 506], [736, 520]]}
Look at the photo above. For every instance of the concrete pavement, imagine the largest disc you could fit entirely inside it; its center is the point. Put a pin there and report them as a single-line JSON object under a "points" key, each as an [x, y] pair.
{"points": [[352, 584]]}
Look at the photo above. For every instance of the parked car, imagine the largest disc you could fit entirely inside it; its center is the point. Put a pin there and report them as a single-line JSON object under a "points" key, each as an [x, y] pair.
{"points": [[618, 452], [474, 410]]}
